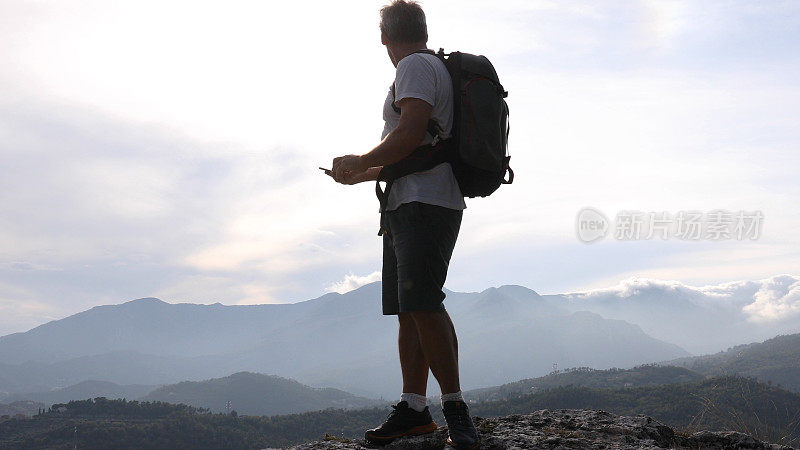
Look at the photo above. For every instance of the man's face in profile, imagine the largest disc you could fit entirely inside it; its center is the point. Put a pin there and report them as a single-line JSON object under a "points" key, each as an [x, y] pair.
{"points": [[385, 42]]}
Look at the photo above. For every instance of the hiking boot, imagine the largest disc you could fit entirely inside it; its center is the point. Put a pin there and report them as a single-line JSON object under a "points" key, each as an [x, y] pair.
{"points": [[461, 431], [402, 421]]}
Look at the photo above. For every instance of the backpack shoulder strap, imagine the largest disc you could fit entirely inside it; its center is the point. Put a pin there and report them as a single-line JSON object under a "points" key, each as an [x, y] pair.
{"points": [[430, 52], [394, 107], [433, 127]]}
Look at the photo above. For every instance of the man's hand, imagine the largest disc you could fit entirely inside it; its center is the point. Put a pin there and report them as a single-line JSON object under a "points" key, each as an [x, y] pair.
{"points": [[370, 174], [346, 166]]}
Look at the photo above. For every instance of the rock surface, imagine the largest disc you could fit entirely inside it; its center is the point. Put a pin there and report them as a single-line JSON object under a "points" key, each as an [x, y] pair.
{"points": [[567, 429]]}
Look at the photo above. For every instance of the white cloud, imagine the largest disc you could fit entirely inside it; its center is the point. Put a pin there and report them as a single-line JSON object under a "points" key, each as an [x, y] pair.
{"points": [[352, 282], [666, 21], [778, 299], [707, 264], [774, 299]]}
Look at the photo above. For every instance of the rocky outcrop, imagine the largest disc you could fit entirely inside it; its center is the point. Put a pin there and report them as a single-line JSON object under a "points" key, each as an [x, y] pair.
{"points": [[567, 429]]}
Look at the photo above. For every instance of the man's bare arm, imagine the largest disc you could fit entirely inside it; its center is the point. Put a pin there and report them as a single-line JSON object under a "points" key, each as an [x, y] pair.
{"points": [[403, 139], [398, 144]]}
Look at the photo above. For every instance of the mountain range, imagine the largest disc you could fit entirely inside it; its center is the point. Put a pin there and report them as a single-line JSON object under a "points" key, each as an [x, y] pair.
{"points": [[343, 341], [775, 361], [338, 340]]}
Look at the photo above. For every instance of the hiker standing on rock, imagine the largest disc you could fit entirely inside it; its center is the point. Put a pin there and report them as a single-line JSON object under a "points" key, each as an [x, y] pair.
{"points": [[421, 217]]}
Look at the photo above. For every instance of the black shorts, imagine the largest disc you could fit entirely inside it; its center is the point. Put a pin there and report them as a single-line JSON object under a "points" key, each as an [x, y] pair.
{"points": [[417, 248]]}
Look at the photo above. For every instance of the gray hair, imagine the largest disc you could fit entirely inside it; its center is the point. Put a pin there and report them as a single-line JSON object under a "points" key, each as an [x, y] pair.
{"points": [[404, 22]]}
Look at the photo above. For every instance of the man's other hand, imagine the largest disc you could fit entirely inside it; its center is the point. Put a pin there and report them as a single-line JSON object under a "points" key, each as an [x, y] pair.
{"points": [[346, 166], [370, 174]]}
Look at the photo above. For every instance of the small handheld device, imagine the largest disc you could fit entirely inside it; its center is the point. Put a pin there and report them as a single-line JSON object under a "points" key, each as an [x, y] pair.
{"points": [[328, 172]]}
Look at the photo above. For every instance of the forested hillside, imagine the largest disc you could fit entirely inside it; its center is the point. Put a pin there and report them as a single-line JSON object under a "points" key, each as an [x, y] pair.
{"points": [[644, 375], [719, 403], [776, 361]]}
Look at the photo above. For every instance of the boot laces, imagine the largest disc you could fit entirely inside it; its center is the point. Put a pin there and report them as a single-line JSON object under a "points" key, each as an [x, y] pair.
{"points": [[395, 412], [460, 418]]}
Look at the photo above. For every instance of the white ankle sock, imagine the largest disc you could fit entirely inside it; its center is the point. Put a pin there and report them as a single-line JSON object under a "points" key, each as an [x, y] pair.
{"points": [[416, 402], [452, 396]]}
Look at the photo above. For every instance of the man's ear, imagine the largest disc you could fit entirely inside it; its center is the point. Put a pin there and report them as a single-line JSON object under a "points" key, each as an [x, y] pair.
{"points": [[384, 41]]}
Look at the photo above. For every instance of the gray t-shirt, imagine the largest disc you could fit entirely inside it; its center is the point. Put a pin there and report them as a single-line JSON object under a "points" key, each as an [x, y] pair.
{"points": [[424, 76]]}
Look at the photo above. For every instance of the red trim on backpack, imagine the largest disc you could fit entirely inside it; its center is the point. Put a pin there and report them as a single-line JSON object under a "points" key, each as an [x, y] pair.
{"points": [[469, 106]]}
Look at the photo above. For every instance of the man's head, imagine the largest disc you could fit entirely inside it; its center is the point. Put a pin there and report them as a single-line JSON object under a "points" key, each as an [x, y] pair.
{"points": [[403, 27]]}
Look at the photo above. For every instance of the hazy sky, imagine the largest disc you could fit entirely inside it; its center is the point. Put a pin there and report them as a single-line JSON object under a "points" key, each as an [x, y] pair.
{"points": [[169, 149]]}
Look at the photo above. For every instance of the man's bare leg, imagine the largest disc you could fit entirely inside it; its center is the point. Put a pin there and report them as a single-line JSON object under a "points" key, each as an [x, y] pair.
{"points": [[413, 418], [439, 344], [412, 361]]}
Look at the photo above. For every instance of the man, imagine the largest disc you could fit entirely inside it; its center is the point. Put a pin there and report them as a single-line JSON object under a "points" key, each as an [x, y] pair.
{"points": [[422, 218]]}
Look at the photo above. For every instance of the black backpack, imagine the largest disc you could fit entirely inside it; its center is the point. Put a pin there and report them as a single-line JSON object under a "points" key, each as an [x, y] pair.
{"points": [[477, 147]]}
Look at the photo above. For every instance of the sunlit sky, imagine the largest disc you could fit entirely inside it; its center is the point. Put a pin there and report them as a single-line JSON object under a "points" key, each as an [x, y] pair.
{"points": [[170, 149]]}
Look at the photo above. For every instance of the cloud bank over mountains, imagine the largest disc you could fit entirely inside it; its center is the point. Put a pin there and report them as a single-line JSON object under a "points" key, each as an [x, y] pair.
{"points": [[775, 299], [778, 300], [701, 319]]}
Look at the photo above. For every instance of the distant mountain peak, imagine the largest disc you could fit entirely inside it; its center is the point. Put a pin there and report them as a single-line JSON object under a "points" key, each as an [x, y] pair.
{"points": [[516, 288], [146, 301]]}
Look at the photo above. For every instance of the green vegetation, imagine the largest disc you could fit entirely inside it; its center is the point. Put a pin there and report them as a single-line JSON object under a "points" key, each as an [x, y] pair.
{"points": [[774, 361], [257, 394], [719, 403], [84, 389], [23, 407], [122, 424], [644, 375]]}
